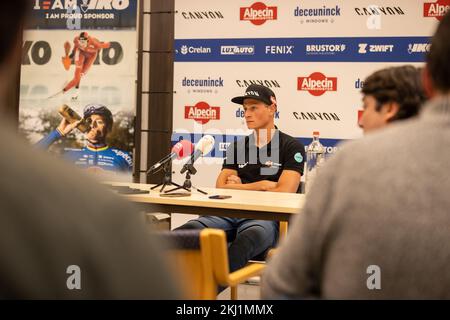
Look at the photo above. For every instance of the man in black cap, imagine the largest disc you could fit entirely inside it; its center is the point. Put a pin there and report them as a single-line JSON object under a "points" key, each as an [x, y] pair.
{"points": [[266, 160]]}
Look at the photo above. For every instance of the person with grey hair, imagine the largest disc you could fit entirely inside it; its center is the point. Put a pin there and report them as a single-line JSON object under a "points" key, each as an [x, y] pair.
{"points": [[376, 222]]}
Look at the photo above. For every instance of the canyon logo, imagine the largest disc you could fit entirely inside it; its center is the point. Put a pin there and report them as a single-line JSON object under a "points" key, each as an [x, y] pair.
{"points": [[317, 84], [436, 9], [258, 13], [202, 112]]}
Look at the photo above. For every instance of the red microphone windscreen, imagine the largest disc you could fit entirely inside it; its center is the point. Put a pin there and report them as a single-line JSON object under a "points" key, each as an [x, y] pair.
{"points": [[183, 149]]}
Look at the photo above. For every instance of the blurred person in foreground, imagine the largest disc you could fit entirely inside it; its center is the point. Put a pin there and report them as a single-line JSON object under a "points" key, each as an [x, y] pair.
{"points": [[55, 221], [389, 95], [376, 222]]}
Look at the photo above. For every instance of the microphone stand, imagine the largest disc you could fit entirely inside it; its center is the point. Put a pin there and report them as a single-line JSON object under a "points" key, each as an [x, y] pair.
{"points": [[187, 185], [167, 180]]}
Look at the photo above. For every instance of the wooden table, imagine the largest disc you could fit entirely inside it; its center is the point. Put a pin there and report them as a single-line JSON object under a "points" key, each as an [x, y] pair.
{"points": [[242, 204]]}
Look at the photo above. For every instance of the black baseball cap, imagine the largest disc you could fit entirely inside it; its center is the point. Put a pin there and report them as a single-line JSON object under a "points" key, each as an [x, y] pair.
{"points": [[257, 92]]}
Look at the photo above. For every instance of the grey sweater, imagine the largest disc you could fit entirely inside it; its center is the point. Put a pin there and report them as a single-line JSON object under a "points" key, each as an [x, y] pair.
{"points": [[380, 201]]}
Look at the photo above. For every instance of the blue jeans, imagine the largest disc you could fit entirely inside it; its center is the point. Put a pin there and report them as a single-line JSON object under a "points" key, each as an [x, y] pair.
{"points": [[247, 238]]}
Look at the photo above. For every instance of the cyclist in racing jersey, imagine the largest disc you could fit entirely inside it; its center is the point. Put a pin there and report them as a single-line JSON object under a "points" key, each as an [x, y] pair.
{"points": [[96, 155]]}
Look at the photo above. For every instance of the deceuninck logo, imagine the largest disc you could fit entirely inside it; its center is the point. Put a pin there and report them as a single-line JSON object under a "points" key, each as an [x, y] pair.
{"points": [[258, 13], [202, 112], [436, 9], [317, 84]]}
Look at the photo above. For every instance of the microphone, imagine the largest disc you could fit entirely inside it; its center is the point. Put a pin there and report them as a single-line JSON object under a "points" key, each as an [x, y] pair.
{"points": [[203, 146], [180, 150]]}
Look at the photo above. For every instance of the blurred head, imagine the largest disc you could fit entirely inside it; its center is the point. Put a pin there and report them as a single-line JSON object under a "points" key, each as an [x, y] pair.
{"points": [[100, 119], [389, 95], [260, 105], [12, 16], [83, 39], [437, 71]]}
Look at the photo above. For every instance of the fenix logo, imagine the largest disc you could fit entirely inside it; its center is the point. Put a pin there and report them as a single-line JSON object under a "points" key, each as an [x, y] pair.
{"points": [[276, 50], [364, 48], [237, 50], [85, 5]]}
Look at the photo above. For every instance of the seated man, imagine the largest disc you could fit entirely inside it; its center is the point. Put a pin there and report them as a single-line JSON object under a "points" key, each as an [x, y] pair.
{"points": [[97, 156], [266, 160], [391, 94]]}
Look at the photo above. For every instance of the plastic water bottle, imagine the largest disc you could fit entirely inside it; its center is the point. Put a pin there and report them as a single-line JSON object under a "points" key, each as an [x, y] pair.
{"points": [[315, 156]]}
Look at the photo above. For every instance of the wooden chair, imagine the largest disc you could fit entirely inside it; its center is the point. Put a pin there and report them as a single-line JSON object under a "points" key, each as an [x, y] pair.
{"points": [[200, 257], [282, 235]]}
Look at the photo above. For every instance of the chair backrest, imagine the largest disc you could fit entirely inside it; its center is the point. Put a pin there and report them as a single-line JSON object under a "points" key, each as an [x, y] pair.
{"points": [[200, 259]]}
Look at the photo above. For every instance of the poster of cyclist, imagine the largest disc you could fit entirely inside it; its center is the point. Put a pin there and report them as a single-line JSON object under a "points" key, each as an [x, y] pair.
{"points": [[77, 92]]}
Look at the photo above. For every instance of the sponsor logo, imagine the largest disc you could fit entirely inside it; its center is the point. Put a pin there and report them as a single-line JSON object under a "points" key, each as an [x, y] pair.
{"points": [[202, 15], [258, 13], [208, 82], [270, 164], [267, 83], [324, 49], [436, 9], [223, 146], [241, 114], [318, 12], [317, 84], [278, 50], [237, 50], [243, 165], [194, 50], [317, 15], [298, 157], [204, 85], [360, 113], [317, 116], [375, 48], [202, 112], [84, 5], [418, 48], [359, 84], [375, 10]]}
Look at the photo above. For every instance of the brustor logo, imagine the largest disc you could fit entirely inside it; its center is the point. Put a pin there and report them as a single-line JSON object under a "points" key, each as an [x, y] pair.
{"points": [[317, 84], [258, 13]]}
